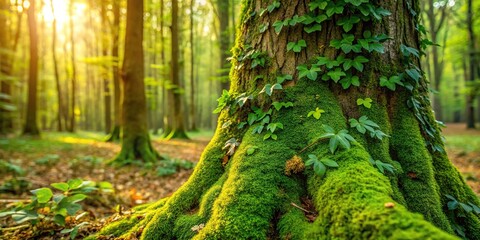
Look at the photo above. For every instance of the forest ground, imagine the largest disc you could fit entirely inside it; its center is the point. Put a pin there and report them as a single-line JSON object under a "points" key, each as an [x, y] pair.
{"points": [[58, 157]]}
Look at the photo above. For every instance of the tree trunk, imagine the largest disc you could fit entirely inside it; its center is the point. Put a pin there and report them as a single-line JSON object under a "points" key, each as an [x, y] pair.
{"points": [[135, 139], [55, 69], [193, 118], [31, 127], [107, 96], [175, 94], [470, 108], [251, 181], [223, 18], [115, 132], [5, 117], [71, 127]]}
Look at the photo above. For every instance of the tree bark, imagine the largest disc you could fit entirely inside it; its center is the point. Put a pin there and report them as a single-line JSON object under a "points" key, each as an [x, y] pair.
{"points": [[135, 139], [31, 127], [105, 69], [73, 77], [115, 132], [470, 108], [252, 181], [55, 69], [175, 94]]}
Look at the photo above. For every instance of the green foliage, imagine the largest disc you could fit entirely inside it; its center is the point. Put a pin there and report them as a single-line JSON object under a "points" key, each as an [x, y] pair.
{"points": [[348, 22], [251, 150], [224, 101], [310, 73], [282, 78], [296, 46], [268, 88], [49, 160], [460, 209], [340, 138], [363, 124], [366, 102], [320, 166], [7, 167], [391, 83], [169, 166], [381, 166], [316, 114], [5, 103], [46, 206], [279, 105]]}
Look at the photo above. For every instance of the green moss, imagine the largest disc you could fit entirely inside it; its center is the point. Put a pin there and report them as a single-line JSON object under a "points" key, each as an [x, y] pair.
{"points": [[417, 184], [351, 203]]}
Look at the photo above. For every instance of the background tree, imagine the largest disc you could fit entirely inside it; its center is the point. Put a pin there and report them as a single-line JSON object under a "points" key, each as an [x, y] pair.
{"points": [[55, 69], [31, 127], [135, 138], [223, 10], [346, 127], [177, 126], [473, 72], [115, 132]]}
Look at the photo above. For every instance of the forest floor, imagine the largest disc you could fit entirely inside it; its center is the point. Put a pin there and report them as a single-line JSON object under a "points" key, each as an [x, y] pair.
{"points": [[58, 157]]}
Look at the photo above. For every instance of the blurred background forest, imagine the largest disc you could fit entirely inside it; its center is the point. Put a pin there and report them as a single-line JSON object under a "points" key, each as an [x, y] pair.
{"points": [[80, 47]]}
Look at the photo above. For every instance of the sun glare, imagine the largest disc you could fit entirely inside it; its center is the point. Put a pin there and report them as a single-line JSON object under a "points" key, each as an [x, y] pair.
{"points": [[61, 11]]}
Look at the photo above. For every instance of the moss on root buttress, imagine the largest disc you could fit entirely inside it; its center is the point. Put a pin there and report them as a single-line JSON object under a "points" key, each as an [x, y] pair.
{"points": [[250, 198]]}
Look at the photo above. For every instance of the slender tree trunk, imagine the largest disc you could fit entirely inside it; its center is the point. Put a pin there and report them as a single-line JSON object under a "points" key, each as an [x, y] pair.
{"points": [[74, 69], [470, 109], [55, 69], [105, 69], [31, 127], [193, 118], [135, 139], [115, 132], [175, 94]]}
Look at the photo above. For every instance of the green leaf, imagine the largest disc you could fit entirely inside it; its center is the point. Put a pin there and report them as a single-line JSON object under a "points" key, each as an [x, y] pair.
{"points": [[337, 74], [278, 25], [76, 198], [329, 163], [43, 194], [316, 114], [318, 4], [60, 186], [251, 150], [311, 160], [367, 102], [313, 28], [452, 205], [74, 183], [264, 27], [319, 168], [414, 74]]}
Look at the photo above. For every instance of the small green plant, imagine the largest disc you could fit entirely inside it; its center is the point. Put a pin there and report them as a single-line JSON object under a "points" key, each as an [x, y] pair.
{"points": [[363, 124], [340, 138], [367, 102], [48, 160], [16, 184], [391, 83], [381, 166], [45, 206], [316, 114], [460, 209], [320, 165]]}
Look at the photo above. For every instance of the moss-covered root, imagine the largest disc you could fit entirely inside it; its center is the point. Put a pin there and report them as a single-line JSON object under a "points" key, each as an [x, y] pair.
{"points": [[176, 134], [114, 135], [138, 147], [354, 202]]}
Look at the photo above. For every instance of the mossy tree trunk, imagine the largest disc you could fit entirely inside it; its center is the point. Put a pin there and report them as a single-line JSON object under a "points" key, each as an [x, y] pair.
{"points": [[256, 188], [31, 127], [135, 138]]}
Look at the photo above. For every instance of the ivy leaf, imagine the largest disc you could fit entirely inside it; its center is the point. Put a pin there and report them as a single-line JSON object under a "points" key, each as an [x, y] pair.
{"points": [[296, 46], [264, 27], [349, 81], [367, 102], [282, 78], [278, 25], [316, 114], [356, 3], [347, 23], [313, 28], [318, 4], [335, 9], [337, 74], [268, 88], [407, 51], [311, 73], [43, 194], [414, 74], [329, 163], [358, 62], [60, 186]]}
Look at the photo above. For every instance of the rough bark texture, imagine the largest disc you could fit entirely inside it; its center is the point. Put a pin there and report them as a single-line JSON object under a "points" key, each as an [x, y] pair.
{"points": [[253, 195], [135, 139], [31, 127]]}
